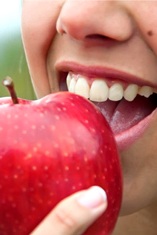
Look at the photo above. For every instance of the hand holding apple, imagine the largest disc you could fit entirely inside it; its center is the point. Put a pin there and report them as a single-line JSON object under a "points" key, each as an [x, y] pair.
{"points": [[49, 149]]}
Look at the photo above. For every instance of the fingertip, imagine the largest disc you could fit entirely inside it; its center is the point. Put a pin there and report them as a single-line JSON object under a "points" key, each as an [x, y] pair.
{"points": [[93, 197]]}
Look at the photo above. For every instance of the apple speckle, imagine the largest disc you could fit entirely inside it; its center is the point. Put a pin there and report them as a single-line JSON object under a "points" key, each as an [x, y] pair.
{"points": [[14, 205], [46, 168], [106, 147], [6, 177], [55, 145], [29, 155], [8, 116], [43, 127], [33, 208], [31, 189], [66, 168], [73, 187], [77, 168], [64, 109], [59, 109], [15, 142], [40, 185], [34, 127], [39, 145], [86, 110], [26, 115], [57, 117], [103, 177], [94, 176], [86, 121], [24, 132], [24, 189], [72, 104], [15, 176], [94, 152], [35, 149], [101, 152], [41, 115], [102, 131], [93, 130], [53, 128], [16, 127], [65, 154], [47, 153], [34, 168], [7, 215], [80, 185], [16, 116]]}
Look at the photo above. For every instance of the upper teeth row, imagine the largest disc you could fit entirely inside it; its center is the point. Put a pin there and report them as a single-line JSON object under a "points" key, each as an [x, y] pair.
{"points": [[99, 90]]}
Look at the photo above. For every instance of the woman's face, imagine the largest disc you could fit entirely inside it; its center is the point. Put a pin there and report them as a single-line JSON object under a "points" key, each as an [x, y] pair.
{"points": [[110, 49]]}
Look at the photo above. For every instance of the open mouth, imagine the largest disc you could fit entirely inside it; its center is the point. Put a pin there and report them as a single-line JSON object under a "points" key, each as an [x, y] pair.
{"points": [[123, 105]]}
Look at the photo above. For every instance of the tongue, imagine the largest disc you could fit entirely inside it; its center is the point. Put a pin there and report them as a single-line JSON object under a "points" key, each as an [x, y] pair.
{"points": [[123, 115]]}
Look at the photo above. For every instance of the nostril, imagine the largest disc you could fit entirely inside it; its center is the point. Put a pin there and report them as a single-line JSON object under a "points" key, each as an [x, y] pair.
{"points": [[99, 39], [97, 36]]}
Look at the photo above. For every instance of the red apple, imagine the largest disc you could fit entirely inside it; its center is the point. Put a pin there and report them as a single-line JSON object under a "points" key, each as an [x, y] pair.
{"points": [[49, 149]]}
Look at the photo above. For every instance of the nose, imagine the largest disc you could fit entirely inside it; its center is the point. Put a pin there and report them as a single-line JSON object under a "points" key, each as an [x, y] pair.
{"points": [[88, 19]]}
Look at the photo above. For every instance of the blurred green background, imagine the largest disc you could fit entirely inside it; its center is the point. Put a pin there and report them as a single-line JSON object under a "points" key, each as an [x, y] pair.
{"points": [[12, 57]]}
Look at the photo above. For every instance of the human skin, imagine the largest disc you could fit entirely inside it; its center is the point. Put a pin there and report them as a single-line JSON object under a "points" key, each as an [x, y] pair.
{"points": [[115, 34]]}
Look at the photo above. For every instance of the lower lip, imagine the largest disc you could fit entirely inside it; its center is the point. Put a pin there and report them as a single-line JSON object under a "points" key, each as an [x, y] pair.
{"points": [[128, 137]]}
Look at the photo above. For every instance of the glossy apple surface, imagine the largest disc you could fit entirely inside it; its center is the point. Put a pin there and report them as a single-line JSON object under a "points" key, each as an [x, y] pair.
{"points": [[49, 149]]}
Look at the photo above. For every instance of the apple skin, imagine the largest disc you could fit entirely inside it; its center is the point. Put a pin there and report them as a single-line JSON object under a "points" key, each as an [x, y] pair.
{"points": [[49, 149]]}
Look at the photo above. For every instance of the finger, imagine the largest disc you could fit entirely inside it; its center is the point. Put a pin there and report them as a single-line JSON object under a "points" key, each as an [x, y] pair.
{"points": [[75, 214]]}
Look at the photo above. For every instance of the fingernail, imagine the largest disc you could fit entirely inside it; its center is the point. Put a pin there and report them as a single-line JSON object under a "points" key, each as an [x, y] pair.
{"points": [[93, 197]]}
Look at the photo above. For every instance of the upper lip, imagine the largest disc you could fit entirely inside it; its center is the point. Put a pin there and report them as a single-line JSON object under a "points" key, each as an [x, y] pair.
{"points": [[100, 72]]}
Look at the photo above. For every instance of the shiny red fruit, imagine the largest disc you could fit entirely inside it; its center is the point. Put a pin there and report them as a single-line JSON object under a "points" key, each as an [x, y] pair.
{"points": [[49, 149]]}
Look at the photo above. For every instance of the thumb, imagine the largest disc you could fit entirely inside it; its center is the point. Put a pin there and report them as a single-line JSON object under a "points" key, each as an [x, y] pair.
{"points": [[74, 214]]}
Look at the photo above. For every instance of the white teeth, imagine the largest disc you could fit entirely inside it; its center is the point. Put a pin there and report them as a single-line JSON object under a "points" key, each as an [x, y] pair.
{"points": [[145, 91], [116, 92], [131, 92], [72, 84], [99, 90], [68, 80], [82, 87]]}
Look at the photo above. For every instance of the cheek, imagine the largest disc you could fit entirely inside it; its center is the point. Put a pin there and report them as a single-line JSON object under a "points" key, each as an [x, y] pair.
{"points": [[38, 30], [151, 36], [139, 172], [55, 52], [146, 19]]}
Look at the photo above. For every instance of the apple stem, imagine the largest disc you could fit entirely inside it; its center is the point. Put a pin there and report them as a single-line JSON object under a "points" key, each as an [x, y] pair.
{"points": [[8, 83]]}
